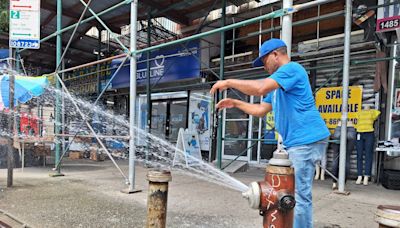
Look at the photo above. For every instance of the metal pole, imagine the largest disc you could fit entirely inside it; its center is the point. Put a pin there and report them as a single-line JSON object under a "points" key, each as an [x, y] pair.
{"points": [[17, 59], [62, 111], [287, 27], [58, 86], [132, 97], [98, 58], [346, 71], [286, 36], [221, 77], [311, 4], [10, 154], [148, 86]]}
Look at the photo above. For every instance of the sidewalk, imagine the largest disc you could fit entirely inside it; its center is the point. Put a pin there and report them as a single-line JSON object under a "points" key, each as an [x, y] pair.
{"points": [[89, 196]]}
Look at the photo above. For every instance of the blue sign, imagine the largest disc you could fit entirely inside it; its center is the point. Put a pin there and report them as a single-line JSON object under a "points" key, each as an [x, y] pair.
{"points": [[4, 53], [166, 65], [33, 44]]}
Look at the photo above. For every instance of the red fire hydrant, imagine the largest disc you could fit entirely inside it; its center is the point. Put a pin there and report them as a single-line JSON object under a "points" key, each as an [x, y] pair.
{"points": [[274, 196]]}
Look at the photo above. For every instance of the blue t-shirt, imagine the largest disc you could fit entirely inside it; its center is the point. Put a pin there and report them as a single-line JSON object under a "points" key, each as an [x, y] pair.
{"points": [[296, 117]]}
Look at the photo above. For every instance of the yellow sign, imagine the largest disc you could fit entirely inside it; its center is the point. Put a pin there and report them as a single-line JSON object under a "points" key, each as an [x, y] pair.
{"points": [[329, 104], [270, 132]]}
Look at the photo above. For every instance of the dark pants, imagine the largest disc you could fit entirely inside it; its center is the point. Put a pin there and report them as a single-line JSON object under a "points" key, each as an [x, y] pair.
{"points": [[336, 158], [365, 146]]}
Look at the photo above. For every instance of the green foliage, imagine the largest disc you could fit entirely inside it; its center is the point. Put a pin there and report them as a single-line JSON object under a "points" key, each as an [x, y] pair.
{"points": [[4, 15]]}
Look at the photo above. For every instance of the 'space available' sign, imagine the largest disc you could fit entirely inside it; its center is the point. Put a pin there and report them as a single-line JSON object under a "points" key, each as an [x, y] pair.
{"points": [[329, 104]]}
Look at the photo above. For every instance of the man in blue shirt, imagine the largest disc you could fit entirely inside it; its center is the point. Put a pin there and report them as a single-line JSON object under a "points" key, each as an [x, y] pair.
{"points": [[288, 93]]}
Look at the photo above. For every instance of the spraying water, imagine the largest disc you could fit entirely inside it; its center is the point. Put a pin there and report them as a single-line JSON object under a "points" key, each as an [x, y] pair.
{"points": [[151, 150]]}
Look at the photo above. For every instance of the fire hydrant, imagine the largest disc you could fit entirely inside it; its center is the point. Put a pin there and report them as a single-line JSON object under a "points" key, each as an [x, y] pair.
{"points": [[274, 196]]}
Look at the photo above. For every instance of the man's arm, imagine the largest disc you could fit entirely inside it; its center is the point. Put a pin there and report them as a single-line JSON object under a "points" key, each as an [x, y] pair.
{"points": [[249, 87], [259, 110]]}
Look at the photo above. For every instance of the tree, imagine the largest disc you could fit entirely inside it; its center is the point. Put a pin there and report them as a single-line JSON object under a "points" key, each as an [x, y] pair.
{"points": [[4, 15]]}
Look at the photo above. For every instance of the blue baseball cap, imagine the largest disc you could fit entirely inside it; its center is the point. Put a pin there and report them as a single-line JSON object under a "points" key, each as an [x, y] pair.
{"points": [[266, 48]]}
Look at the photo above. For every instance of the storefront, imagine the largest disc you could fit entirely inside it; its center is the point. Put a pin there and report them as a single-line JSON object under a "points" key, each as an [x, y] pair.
{"points": [[170, 111]]}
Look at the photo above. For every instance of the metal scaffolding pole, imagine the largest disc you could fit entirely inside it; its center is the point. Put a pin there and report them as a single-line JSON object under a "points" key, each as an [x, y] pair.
{"points": [[346, 72], [58, 86], [10, 151], [148, 86], [286, 33], [221, 77], [132, 97]]}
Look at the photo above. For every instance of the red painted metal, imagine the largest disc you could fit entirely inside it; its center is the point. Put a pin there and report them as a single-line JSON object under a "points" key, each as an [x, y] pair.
{"points": [[277, 197]]}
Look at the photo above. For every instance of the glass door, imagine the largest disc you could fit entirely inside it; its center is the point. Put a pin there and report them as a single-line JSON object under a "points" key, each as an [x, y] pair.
{"points": [[236, 130], [159, 118], [177, 118], [167, 117]]}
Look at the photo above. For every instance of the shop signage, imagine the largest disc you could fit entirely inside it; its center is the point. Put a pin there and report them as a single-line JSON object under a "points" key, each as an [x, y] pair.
{"points": [[166, 65], [199, 117], [84, 80], [188, 148], [25, 24], [329, 104], [388, 17]]}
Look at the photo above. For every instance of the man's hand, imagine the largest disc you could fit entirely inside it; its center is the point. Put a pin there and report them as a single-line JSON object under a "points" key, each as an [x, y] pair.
{"points": [[225, 103], [220, 85]]}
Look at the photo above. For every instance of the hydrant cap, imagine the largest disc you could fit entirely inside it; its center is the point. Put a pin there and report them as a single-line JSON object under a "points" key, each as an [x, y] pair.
{"points": [[280, 158], [253, 195], [159, 176]]}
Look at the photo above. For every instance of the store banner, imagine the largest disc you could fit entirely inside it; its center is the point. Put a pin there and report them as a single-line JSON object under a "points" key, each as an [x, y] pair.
{"points": [[166, 65], [388, 18], [199, 117], [329, 104]]}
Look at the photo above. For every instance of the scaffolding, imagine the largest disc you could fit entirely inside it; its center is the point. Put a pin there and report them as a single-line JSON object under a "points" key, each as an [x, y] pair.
{"points": [[131, 53]]}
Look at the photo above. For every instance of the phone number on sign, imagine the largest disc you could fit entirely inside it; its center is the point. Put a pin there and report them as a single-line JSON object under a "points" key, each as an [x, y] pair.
{"points": [[24, 44], [389, 24]]}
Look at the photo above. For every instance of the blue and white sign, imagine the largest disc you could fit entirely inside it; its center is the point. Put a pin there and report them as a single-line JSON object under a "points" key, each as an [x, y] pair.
{"points": [[25, 24], [166, 65], [30, 44]]}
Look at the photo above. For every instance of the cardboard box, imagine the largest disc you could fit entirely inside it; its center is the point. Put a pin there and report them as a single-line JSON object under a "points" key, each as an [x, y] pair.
{"points": [[96, 156], [75, 155]]}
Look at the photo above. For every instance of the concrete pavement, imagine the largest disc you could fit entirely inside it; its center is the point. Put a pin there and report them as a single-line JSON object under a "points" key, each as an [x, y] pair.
{"points": [[89, 196]]}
